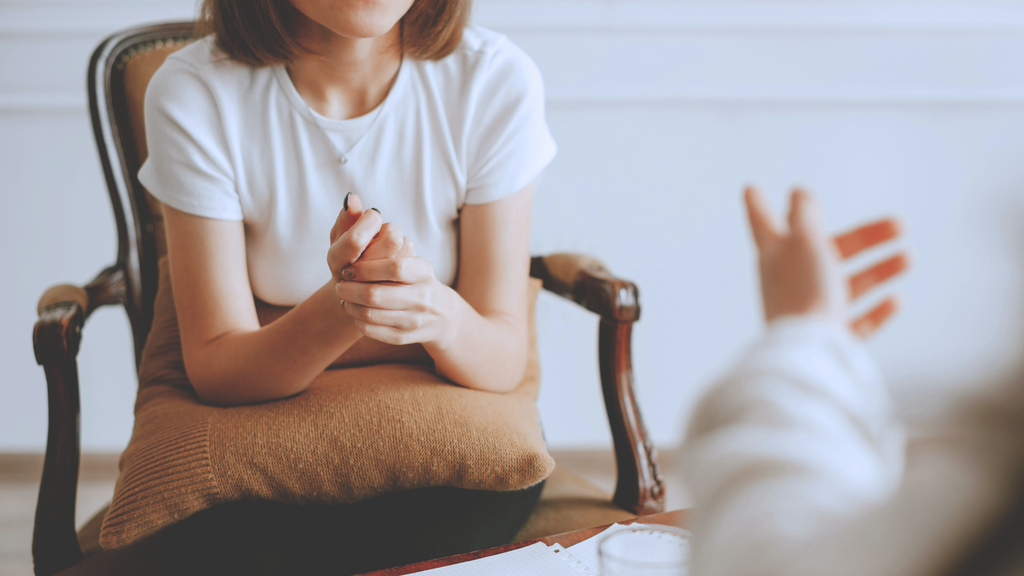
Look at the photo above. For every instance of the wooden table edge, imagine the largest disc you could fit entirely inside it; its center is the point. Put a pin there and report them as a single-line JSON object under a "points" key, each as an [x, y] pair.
{"points": [[672, 518]]}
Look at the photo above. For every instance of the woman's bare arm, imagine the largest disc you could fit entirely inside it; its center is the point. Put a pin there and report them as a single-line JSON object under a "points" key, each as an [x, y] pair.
{"points": [[488, 346], [229, 358]]}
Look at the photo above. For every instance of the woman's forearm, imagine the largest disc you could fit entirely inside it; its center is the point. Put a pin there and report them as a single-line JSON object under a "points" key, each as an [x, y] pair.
{"points": [[277, 360], [483, 352]]}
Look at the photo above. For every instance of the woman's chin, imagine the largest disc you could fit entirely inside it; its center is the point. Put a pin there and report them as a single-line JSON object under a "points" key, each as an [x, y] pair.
{"points": [[356, 19], [365, 31], [363, 28]]}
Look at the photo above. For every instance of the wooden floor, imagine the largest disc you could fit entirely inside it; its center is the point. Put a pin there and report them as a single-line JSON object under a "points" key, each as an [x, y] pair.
{"points": [[19, 484]]}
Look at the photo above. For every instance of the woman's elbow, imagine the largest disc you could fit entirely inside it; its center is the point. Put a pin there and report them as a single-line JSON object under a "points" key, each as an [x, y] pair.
{"points": [[509, 379], [515, 376], [209, 384], [506, 387], [209, 389]]}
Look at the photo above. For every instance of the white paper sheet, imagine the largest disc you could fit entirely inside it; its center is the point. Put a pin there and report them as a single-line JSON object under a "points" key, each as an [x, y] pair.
{"points": [[573, 562], [529, 561], [586, 551], [538, 559]]}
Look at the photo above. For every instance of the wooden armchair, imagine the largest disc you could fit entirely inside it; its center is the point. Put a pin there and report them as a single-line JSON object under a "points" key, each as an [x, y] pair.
{"points": [[119, 72]]}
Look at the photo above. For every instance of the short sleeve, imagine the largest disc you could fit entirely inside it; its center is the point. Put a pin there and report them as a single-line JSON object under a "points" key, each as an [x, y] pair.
{"points": [[509, 141], [189, 166]]}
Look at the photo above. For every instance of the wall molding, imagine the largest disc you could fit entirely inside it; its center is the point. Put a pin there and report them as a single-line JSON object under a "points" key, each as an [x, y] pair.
{"points": [[25, 24]]}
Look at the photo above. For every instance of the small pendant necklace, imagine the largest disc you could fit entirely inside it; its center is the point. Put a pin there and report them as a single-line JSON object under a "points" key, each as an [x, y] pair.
{"points": [[368, 123]]}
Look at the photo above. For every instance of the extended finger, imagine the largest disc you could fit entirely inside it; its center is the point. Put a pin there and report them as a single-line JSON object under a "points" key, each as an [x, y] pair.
{"points": [[378, 317], [386, 244], [354, 241], [855, 241], [862, 282], [383, 296], [762, 223], [400, 270], [867, 324], [351, 210], [805, 214]]}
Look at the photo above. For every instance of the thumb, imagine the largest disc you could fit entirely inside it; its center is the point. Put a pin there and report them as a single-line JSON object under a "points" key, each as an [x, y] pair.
{"points": [[351, 210], [762, 223]]}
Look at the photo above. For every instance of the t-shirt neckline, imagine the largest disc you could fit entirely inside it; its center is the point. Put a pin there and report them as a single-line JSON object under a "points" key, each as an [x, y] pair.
{"points": [[333, 124]]}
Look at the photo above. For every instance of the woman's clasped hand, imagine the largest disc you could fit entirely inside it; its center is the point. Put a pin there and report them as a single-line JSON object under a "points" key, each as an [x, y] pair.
{"points": [[391, 294]]}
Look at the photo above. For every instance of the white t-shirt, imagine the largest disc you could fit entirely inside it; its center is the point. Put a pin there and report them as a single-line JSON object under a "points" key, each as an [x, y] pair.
{"points": [[232, 142]]}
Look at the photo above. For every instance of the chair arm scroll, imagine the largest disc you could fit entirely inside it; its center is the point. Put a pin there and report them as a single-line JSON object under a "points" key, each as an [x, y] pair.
{"points": [[58, 332], [587, 281], [63, 310], [62, 313], [107, 288]]}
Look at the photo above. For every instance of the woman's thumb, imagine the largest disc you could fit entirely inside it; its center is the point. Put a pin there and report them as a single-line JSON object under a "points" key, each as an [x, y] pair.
{"points": [[351, 210]]}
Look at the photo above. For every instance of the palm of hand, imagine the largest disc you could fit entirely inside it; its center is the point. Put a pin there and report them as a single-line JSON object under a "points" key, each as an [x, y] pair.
{"points": [[801, 268]]}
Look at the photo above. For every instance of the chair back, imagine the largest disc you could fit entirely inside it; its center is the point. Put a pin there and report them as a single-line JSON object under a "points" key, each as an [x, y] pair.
{"points": [[119, 72]]}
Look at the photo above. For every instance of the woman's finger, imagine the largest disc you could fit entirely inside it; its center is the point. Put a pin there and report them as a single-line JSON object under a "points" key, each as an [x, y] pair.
{"points": [[869, 323], [762, 223], [386, 244], [383, 296], [378, 317], [385, 334], [351, 210], [353, 242], [408, 249], [863, 282], [400, 270], [868, 236]]}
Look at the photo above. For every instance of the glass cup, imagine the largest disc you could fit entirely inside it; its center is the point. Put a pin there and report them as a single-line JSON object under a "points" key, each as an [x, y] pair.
{"points": [[651, 551]]}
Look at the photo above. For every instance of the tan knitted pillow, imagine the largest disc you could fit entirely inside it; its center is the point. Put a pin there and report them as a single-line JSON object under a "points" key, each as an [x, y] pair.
{"points": [[379, 421]]}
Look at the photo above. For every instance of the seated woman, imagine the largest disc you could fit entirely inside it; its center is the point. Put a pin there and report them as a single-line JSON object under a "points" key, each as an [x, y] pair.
{"points": [[267, 140]]}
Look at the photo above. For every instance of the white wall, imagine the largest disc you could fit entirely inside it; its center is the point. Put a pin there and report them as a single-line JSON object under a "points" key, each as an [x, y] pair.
{"points": [[662, 110]]}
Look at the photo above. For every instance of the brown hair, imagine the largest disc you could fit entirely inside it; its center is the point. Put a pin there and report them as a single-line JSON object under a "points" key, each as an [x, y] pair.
{"points": [[260, 32]]}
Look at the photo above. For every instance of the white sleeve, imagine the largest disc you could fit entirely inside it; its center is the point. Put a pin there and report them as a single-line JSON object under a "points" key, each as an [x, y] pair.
{"points": [[189, 166], [799, 439], [509, 143]]}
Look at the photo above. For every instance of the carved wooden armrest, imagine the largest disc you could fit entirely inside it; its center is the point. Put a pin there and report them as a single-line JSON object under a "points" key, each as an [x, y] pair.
{"points": [[57, 334], [587, 281]]}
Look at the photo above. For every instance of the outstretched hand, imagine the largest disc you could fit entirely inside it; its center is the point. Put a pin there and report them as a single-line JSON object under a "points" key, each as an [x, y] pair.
{"points": [[801, 268]]}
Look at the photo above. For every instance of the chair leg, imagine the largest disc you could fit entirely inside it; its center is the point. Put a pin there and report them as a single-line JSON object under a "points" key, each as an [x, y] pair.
{"points": [[639, 487], [54, 541]]}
